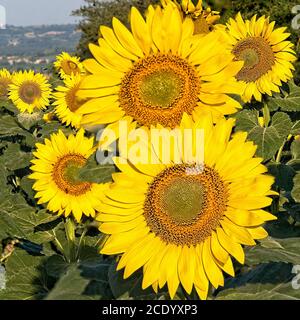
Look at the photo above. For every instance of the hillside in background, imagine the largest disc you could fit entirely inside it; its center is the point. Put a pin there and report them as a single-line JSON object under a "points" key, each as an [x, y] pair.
{"points": [[35, 46]]}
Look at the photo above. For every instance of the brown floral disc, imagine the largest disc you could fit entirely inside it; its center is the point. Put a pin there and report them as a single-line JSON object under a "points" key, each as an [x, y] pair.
{"points": [[159, 89], [257, 55], [29, 92], [65, 174], [184, 208]]}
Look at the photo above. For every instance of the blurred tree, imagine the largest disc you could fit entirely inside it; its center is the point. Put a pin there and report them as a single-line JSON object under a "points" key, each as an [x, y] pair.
{"points": [[97, 12]]}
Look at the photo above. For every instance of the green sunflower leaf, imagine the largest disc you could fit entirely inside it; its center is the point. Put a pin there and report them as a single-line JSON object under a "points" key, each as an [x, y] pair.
{"points": [[296, 128], [288, 101], [283, 174], [26, 185], [14, 158], [97, 173], [7, 105], [296, 189], [52, 127], [130, 288], [19, 220], [268, 139], [25, 277], [69, 286], [10, 127], [84, 280], [271, 281], [274, 250], [295, 149], [56, 265]]}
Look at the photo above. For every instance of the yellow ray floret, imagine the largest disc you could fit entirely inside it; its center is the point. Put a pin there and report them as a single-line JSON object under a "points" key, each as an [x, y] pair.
{"points": [[5, 81], [203, 18], [181, 222], [30, 91], [152, 77], [56, 173], [67, 103], [68, 65], [267, 54]]}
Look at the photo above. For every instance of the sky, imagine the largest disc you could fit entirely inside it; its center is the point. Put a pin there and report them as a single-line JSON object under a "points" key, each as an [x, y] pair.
{"points": [[37, 12]]}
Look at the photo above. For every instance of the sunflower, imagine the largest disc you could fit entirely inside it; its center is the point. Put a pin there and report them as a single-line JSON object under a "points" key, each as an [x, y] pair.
{"points": [[203, 18], [5, 81], [268, 56], [56, 173], [67, 102], [29, 91], [182, 221], [150, 77], [67, 65]]}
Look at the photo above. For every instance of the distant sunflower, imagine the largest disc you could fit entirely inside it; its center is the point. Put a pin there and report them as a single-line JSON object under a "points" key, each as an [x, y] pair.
{"points": [[56, 173], [67, 103], [29, 91], [268, 56], [182, 222], [5, 81], [152, 77], [203, 19], [66, 65]]}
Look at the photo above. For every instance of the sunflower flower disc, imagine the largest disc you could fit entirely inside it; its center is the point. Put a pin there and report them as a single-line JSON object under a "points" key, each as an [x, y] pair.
{"points": [[67, 103], [29, 91], [56, 173], [266, 52], [68, 66], [149, 77], [182, 222]]}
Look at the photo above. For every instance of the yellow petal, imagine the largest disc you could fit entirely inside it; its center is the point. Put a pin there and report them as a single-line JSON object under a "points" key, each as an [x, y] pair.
{"points": [[212, 271], [258, 233], [218, 251], [230, 246], [186, 267], [239, 234], [126, 38], [140, 31], [120, 242]]}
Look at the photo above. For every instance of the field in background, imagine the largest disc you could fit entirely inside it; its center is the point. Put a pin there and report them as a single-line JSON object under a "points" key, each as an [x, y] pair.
{"points": [[35, 47]]}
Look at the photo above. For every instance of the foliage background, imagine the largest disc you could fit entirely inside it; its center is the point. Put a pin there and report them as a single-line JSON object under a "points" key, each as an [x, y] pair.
{"points": [[46, 257]]}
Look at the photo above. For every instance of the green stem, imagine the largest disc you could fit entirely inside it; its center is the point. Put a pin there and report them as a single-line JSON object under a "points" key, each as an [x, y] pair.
{"points": [[278, 157], [266, 115], [57, 242], [280, 151], [80, 243], [5, 257], [70, 228]]}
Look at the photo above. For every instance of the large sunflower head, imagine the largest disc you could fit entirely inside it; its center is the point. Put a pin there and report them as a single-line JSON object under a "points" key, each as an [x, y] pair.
{"points": [[56, 170], [268, 56], [5, 81], [182, 221], [153, 77], [68, 65], [29, 91], [203, 19], [67, 103]]}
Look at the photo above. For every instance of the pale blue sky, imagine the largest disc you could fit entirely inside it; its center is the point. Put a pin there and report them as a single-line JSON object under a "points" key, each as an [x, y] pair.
{"points": [[37, 12]]}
